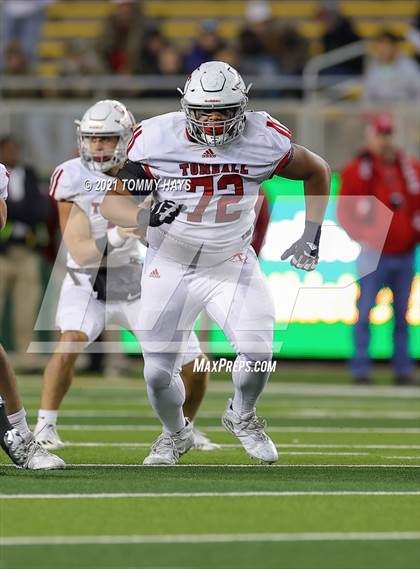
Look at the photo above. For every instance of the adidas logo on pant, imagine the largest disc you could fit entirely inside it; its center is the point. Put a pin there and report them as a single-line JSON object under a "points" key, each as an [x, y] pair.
{"points": [[154, 274]]}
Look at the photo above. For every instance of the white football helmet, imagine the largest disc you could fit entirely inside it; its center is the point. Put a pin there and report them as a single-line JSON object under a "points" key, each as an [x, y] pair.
{"points": [[105, 118], [215, 86]]}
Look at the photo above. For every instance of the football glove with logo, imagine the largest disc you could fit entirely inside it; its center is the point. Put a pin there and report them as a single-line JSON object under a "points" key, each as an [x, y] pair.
{"points": [[305, 251], [160, 212]]}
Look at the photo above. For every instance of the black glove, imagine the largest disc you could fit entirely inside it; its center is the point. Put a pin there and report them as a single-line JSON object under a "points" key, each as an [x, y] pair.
{"points": [[160, 212], [305, 250]]}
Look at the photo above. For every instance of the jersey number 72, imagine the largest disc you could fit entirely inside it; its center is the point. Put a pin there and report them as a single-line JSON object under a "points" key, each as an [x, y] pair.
{"points": [[207, 183]]}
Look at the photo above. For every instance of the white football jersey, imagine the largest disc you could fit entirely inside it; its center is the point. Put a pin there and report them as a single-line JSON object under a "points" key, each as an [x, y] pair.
{"points": [[4, 181], [73, 181], [218, 186]]}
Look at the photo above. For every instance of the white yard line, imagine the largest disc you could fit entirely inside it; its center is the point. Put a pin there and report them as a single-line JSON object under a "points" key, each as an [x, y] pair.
{"points": [[402, 457], [301, 413], [343, 414], [287, 493], [207, 538], [233, 445], [229, 446], [274, 429], [303, 465], [110, 465]]}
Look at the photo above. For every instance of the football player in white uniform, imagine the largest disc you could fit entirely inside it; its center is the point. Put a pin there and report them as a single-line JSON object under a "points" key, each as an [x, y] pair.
{"points": [[15, 436], [104, 266], [209, 160]]}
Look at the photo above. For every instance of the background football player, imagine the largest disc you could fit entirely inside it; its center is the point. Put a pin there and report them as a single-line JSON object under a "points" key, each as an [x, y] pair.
{"points": [[102, 284], [204, 257], [15, 437]]}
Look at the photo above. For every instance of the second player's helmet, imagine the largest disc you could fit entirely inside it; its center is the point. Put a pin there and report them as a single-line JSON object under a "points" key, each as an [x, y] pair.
{"points": [[105, 119], [215, 86]]}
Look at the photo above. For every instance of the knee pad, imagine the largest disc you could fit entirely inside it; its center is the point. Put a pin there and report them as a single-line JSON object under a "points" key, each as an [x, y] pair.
{"points": [[260, 357], [157, 374]]}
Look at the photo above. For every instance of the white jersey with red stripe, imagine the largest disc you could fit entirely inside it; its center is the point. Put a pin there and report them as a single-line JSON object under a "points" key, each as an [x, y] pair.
{"points": [[73, 181], [218, 186], [4, 181]]}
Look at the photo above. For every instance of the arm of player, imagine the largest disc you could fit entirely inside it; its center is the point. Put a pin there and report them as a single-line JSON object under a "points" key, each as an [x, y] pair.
{"points": [[316, 176], [75, 228], [3, 213], [121, 207]]}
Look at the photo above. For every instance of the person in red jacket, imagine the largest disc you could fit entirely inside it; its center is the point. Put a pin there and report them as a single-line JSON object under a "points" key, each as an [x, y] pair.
{"points": [[384, 172]]}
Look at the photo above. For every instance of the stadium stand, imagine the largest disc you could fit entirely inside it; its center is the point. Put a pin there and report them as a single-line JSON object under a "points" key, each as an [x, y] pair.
{"points": [[180, 21]]}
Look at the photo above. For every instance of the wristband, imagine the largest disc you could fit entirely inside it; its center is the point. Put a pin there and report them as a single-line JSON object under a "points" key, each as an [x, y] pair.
{"points": [[143, 217], [114, 238], [312, 232]]}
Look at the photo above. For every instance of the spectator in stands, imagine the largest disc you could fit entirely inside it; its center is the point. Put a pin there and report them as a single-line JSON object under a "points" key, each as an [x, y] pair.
{"points": [[267, 46], [383, 171], [120, 44], [413, 35], [229, 55], [254, 57], [207, 44], [21, 22], [290, 49], [19, 261], [15, 62], [80, 58], [391, 77], [154, 42], [338, 32], [170, 61]]}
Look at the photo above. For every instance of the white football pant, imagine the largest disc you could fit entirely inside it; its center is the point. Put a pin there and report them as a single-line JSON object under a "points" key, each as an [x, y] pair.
{"points": [[234, 294]]}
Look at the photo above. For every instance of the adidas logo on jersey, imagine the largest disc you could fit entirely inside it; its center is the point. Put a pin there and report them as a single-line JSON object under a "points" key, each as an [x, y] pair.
{"points": [[154, 274], [208, 154], [239, 258]]}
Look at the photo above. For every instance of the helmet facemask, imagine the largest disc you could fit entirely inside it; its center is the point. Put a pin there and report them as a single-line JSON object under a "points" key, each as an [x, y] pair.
{"points": [[107, 161], [217, 132]]}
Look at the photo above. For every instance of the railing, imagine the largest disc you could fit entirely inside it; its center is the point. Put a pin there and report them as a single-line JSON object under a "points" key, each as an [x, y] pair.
{"points": [[311, 78], [47, 132], [144, 85]]}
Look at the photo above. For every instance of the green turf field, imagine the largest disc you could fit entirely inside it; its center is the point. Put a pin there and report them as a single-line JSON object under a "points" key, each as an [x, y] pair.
{"points": [[344, 495]]}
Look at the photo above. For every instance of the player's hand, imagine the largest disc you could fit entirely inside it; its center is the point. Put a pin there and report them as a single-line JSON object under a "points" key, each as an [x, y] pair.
{"points": [[305, 251], [164, 212], [117, 236], [138, 233], [127, 233]]}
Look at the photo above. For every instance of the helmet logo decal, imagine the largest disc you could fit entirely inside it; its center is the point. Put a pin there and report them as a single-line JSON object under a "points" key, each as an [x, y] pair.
{"points": [[213, 84]]}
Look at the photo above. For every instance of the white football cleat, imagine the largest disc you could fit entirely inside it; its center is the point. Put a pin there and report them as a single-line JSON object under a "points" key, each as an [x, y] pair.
{"points": [[250, 431], [202, 442], [27, 453], [168, 448], [46, 435]]}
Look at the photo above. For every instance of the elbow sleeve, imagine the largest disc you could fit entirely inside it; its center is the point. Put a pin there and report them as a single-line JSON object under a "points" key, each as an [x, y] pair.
{"points": [[135, 179]]}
